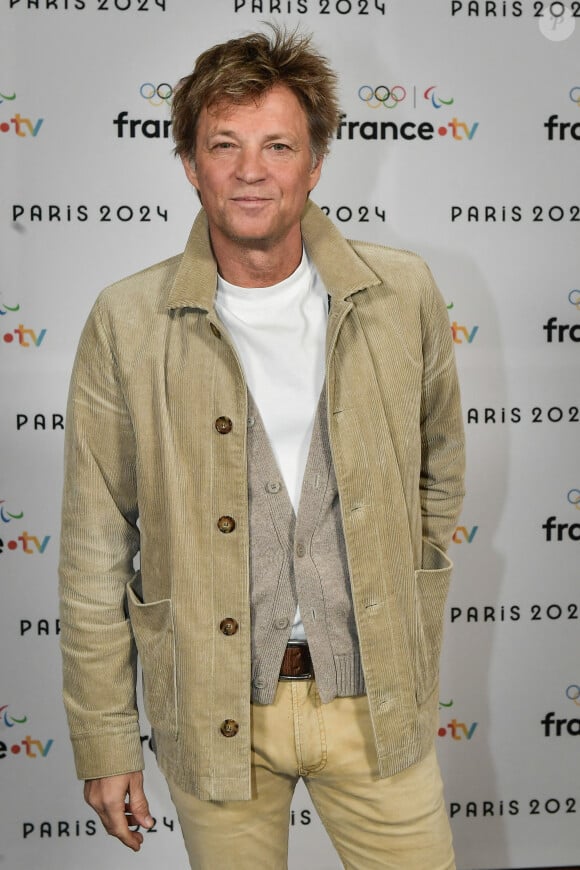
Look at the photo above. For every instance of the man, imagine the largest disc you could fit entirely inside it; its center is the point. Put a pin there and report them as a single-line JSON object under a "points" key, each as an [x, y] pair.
{"points": [[272, 421]]}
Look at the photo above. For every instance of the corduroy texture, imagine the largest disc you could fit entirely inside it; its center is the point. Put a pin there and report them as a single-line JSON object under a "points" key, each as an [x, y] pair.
{"points": [[146, 470]]}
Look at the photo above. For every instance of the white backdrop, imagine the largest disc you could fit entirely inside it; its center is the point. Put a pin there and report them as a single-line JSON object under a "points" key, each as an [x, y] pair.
{"points": [[460, 140]]}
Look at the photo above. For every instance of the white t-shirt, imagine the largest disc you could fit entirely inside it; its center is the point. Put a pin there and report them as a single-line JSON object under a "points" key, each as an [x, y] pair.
{"points": [[279, 333]]}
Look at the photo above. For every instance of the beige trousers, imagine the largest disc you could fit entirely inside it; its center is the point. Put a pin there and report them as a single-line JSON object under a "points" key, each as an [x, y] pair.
{"points": [[398, 823]]}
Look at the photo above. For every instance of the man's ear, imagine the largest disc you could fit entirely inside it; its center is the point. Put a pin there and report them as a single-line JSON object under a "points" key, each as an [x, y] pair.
{"points": [[315, 173], [189, 169]]}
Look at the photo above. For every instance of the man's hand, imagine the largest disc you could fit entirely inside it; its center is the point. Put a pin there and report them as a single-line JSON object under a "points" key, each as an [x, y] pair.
{"points": [[107, 796]]}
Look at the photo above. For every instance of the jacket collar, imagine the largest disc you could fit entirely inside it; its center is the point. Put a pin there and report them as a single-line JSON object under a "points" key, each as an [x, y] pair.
{"points": [[341, 269]]}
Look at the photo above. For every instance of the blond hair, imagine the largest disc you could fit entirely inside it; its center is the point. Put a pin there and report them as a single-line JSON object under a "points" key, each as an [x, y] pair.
{"points": [[243, 70]]}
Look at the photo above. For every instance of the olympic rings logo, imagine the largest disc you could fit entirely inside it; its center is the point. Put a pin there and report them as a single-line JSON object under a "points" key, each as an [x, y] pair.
{"points": [[573, 694], [574, 498], [156, 95], [389, 98], [575, 95], [574, 298]]}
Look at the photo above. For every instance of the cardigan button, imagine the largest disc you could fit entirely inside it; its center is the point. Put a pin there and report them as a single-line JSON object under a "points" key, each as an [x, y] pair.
{"points": [[229, 727], [226, 524], [273, 487], [228, 626], [300, 550], [223, 425]]}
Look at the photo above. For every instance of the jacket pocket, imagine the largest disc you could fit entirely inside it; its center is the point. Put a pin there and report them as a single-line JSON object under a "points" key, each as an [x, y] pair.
{"points": [[154, 633], [431, 585]]}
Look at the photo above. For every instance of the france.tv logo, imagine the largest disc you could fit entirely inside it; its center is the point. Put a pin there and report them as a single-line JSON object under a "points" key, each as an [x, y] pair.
{"points": [[155, 95], [463, 334], [455, 729], [560, 726], [562, 332], [23, 542], [565, 130], [17, 124], [20, 336], [464, 534], [564, 531], [28, 746], [392, 96]]}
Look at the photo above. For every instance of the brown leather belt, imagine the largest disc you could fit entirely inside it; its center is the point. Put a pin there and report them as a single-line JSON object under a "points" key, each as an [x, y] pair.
{"points": [[296, 664]]}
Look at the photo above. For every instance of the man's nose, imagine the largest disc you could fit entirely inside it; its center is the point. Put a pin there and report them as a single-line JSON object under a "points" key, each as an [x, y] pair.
{"points": [[251, 166]]}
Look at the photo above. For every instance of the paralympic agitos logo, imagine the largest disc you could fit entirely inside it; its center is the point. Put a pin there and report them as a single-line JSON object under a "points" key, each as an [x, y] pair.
{"points": [[404, 99]]}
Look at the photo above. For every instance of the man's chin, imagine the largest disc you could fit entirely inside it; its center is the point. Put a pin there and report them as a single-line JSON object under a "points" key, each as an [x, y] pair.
{"points": [[252, 238], [254, 243]]}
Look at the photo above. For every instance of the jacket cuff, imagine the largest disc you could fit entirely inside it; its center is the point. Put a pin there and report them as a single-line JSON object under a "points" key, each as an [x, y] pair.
{"points": [[99, 755]]}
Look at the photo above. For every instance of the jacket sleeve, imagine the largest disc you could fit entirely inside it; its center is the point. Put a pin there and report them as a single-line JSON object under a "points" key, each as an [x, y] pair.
{"points": [[99, 541], [442, 436]]}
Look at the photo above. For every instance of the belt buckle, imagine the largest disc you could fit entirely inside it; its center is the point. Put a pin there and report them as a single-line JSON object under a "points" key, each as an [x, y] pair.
{"points": [[309, 676]]}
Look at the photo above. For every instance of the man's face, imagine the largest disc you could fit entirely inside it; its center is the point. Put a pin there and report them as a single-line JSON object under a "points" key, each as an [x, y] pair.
{"points": [[254, 169]]}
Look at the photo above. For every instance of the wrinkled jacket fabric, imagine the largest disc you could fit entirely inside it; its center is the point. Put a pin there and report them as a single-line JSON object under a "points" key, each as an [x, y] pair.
{"points": [[147, 473]]}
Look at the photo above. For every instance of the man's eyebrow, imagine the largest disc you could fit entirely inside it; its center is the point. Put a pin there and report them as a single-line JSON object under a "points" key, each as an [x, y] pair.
{"points": [[219, 131], [222, 131], [286, 135]]}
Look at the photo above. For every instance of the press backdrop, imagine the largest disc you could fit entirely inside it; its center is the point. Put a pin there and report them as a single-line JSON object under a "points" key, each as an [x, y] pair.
{"points": [[460, 140]]}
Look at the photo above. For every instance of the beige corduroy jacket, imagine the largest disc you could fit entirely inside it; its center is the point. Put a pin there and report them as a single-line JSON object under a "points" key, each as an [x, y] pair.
{"points": [[148, 473]]}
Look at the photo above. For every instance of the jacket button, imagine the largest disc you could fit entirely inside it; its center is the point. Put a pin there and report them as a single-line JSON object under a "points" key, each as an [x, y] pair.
{"points": [[226, 524], [228, 626], [223, 425], [229, 728], [215, 330]]}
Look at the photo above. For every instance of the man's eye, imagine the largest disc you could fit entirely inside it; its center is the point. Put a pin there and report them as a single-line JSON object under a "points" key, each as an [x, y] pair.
{"points": [[279, 146]]}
